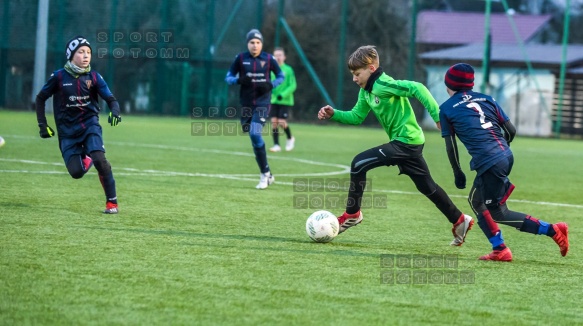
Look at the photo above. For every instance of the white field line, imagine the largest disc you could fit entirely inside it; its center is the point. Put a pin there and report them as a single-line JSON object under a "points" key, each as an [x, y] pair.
{"points": [[242, 177], [344, 168]]}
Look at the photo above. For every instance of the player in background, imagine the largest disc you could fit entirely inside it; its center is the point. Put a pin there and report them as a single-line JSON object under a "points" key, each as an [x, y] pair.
{"points": [[76, 109], [252, 70], [282, 100], [388, 99], [486, 132]]}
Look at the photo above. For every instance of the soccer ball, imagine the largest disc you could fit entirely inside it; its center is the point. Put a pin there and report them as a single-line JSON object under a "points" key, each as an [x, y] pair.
{"points": [[322, 226], [2, 141]]}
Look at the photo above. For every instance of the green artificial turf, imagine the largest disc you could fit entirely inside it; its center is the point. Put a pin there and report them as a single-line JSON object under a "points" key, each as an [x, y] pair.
{"points": [[196, 244]]}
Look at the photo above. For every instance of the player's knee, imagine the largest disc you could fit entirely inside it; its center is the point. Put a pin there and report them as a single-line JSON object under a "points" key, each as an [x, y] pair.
{"points": [[504, 209], [424, 184], [354, 163], [476, 204], [101, 164], [426, 188], [496, 212], [76, 173], [75, 167], [256, 140]]}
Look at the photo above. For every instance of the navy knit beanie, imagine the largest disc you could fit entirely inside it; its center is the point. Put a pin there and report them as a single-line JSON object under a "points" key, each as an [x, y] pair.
{"points": [[254, 34], [460, 77], [74, 44]]}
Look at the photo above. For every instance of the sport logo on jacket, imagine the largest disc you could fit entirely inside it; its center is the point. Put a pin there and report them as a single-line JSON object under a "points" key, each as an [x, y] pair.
{"points": [[88, 83]]}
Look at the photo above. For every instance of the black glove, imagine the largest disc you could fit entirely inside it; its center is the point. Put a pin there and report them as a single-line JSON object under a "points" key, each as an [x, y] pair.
{"points": [[264, 87], [45, 131], [245, 80], [114, 118], [460, 179], [507, 137], [279, 97]]}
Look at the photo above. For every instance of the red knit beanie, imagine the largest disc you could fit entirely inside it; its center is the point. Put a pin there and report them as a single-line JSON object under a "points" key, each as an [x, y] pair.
{"points": [[460, 77]]}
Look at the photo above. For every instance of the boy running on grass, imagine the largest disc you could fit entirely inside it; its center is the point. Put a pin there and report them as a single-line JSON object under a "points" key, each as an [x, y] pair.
{"points": [[75, 90], [479, 122], [252, 70], [388, 99]]}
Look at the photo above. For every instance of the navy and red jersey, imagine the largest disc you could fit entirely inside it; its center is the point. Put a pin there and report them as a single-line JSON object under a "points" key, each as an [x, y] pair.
{"points": [[476, 119], [259, 69], [75, 101]]}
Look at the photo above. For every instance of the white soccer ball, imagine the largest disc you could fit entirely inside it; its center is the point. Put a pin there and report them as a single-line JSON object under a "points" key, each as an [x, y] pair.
{"points": [[322, 226], [2, 141]]}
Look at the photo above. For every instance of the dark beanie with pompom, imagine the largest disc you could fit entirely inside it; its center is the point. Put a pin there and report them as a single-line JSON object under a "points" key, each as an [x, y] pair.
{"points": [[460, 77]]}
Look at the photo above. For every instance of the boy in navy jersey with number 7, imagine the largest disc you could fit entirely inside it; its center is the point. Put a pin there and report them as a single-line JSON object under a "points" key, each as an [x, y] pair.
{"points": [[486, 132], [74, 89]]}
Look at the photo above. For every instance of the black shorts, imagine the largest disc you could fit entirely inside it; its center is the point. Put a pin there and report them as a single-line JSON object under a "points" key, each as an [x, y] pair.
{"points": [[253, 115], [90, 141], [493, 186], [279, 111], [409, 158]]}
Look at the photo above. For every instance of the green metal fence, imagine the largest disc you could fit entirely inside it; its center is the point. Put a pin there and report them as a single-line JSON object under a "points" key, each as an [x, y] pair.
{"points": [[168, 57]]}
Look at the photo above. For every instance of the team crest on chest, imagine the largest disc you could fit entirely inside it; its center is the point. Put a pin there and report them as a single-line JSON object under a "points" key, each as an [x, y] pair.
{"points": [[88, 83], [262, 63], [376, 100]]}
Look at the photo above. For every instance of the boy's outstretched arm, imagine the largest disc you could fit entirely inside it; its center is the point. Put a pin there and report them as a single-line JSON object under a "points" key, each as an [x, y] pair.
{"points": [[353, 117]]}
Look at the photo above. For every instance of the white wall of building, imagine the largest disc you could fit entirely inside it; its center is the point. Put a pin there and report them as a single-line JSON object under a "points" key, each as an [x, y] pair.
{"points": [[526, 98]]}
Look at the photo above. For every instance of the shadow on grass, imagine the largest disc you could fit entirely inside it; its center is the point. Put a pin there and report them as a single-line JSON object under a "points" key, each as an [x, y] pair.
{"points": [[243, 237]]}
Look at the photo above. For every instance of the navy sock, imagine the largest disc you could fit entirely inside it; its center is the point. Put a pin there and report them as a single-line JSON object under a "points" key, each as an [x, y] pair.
{"points": [[261, 158], [536, 226], [530, 225], [108, 184]]}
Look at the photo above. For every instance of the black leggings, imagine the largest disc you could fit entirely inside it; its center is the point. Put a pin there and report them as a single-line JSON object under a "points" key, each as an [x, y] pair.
{"points": [[409, 159], [77, 170]]}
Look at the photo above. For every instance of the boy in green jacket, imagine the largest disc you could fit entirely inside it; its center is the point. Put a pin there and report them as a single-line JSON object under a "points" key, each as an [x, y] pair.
{"points": [[282, 100], [388, 99]]}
